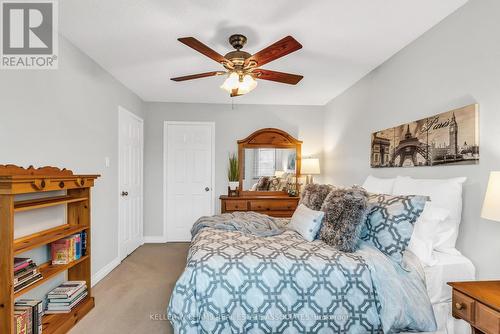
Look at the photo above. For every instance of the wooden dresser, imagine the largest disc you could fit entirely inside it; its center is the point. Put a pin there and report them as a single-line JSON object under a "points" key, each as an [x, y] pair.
{"points": [[478, 303], [276, 206], [285, 151]]}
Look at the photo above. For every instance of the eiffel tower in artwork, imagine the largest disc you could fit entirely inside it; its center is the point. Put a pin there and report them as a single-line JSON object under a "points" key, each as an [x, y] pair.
{"points": [[409, 148]]}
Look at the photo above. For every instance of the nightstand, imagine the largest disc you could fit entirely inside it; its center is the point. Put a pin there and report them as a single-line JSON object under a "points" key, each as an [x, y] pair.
{"points": [[478, 303]]}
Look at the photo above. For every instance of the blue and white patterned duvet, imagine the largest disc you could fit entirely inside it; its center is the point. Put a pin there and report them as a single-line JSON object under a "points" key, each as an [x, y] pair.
{"points": [[240, 283]]}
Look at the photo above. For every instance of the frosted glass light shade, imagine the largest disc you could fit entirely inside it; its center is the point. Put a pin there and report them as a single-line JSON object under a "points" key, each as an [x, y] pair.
{"points": [[247, 85], [233, 82], [310, 166], [491, 205]]}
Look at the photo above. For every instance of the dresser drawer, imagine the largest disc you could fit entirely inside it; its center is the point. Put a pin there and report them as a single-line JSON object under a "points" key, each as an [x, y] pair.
{"points": [[463, 307], [486, 319], [286, 205], [236, 205]]}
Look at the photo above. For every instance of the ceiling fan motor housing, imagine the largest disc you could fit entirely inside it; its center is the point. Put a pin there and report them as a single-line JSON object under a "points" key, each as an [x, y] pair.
{"points": [[237, 41]]}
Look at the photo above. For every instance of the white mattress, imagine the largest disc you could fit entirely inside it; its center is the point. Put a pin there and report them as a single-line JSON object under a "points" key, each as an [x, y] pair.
{"points": [[449, 268]]}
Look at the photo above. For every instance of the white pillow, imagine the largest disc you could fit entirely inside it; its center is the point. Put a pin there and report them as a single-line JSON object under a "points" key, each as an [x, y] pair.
{"points": [[379, 186], [306, 222], [443, 193], [424, 234]]}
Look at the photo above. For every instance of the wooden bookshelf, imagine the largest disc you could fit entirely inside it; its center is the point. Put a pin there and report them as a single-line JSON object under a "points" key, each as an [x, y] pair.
{"points": [[45, 237], [16, 180], [48, 271], [40, 203]]}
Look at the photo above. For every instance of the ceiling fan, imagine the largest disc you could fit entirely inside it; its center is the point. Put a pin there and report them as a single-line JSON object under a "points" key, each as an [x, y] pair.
{"points": [[243, 68]]}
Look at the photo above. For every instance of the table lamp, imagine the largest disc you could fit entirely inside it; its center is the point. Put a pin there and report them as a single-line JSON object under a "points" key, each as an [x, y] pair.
{"points": [[491, 205], [310, 167]]}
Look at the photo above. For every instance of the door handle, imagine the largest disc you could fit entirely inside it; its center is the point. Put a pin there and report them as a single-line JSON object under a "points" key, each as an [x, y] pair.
{"points": [[207, 189], [124, 193]]}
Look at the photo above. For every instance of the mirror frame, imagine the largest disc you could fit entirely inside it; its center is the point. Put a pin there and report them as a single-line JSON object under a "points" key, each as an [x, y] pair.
{"points": [[268, 138]]}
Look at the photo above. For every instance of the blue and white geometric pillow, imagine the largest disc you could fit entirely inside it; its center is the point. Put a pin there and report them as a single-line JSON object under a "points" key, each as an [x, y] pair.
{"points": [[389, 223]]}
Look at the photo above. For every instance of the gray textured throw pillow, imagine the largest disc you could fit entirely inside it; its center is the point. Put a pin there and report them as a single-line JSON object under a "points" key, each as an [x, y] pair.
{"points": [[345, 212], [313, 195]]}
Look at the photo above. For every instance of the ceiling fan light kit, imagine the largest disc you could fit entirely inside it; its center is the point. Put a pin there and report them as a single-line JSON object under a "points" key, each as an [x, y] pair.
{"points": [[239, 84], [242, 68]]}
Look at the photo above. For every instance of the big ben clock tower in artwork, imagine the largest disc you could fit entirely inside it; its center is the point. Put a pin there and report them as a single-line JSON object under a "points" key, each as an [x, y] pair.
{"points": [[453, 148]]}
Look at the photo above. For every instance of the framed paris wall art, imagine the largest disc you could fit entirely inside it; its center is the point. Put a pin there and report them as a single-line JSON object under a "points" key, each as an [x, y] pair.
{"points": [[450, 138]]}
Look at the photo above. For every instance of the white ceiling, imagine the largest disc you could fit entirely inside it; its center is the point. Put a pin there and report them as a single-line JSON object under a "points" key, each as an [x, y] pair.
{"points": [[343, 40]]}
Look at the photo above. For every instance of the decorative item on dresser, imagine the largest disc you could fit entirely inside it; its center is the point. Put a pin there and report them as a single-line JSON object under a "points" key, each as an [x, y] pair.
{"points": [[478, 303], [269, 163], [310, 167], [15, 181], [233, 175]]}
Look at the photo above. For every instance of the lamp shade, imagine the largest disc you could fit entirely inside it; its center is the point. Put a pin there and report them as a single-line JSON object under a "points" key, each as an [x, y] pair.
{"points": [[310, 166], [491, 205]]}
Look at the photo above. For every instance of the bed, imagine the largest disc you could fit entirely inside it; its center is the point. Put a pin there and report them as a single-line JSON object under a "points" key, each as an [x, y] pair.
{"points": [[237, 282]]}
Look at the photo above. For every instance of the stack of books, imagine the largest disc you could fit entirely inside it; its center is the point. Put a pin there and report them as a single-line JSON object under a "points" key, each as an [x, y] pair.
{"points": [[66, 296], [28, 315], [69, 249], [25, 273]]}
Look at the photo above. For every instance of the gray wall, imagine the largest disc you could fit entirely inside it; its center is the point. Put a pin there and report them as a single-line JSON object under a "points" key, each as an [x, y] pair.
{"points": [[69, 118], [454, 64], [303, 122]]}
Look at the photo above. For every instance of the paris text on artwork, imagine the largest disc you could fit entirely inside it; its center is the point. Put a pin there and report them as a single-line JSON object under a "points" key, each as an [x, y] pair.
{"points": [[449, 138]]}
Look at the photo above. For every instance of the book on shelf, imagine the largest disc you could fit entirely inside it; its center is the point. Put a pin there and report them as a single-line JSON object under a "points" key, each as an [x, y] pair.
{"points": [[66, 289], [21, 321], [66, 296], [83, 236], [64, 251], [23, 277], [21, 263], [34, 310], [28, 282], [63, 307], [21, 272], [68, 300], [25, 273]]}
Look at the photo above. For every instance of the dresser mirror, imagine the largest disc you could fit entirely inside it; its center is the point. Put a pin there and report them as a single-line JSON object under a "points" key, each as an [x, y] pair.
{"points": [[269, 163]]}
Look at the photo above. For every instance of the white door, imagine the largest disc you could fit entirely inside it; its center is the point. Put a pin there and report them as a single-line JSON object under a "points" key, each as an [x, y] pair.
{"points": [[189, 175], [130, 166]]}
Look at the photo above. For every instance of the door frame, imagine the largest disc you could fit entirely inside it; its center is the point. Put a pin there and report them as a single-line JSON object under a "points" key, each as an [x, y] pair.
{"points": [[121, 111], [165, 171]]}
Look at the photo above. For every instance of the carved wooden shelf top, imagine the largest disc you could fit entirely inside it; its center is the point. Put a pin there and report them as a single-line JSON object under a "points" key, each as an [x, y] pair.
{"points": [[20, 180], [41, 172]]}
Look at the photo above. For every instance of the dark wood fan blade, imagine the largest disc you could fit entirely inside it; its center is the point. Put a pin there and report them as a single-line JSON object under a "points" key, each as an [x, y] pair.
{"points": [[198, 76], [291, 79], [277, 50], [202, 48]]}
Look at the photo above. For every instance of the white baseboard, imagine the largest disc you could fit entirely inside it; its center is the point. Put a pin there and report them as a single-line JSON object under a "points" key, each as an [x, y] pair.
{"points": [[105, 271], [154, 240]]}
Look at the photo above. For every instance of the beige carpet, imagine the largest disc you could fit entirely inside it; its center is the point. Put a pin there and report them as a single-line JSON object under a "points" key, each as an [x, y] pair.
{"points": [[133, 298]]}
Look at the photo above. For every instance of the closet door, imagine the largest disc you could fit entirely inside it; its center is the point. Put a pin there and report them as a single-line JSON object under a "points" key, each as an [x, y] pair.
{"points": [[130, 170], [189, 170]]}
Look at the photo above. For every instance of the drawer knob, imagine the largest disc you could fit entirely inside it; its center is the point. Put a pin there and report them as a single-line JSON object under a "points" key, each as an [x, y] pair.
{"points": [[459, 306]]}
